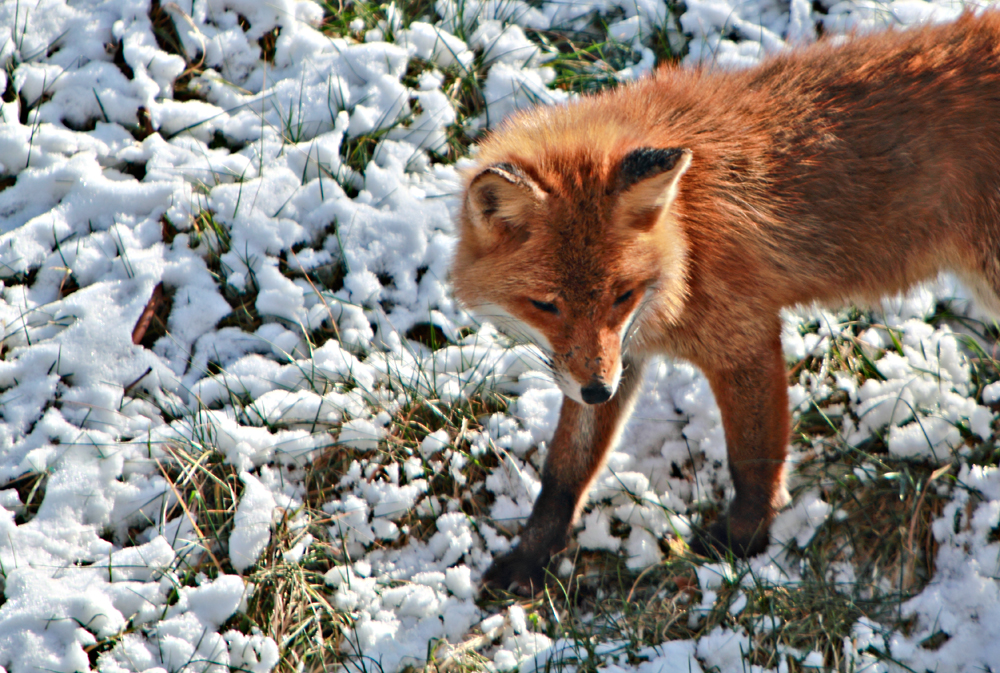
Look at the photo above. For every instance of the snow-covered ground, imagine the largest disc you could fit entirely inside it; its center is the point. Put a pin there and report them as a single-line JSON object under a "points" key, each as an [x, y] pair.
{"points": [[84, 243]]}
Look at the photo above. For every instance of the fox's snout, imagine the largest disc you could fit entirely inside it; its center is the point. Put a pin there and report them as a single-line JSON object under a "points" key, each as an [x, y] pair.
{"points": [[591, 377], [596, 392]]}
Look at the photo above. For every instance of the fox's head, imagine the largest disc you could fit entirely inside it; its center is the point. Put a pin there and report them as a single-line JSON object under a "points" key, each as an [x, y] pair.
{"points": [[578, 256]]}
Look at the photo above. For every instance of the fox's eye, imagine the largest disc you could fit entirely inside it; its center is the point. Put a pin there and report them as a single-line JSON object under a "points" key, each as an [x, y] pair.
{"points": [[545, 306], [624, 298]]}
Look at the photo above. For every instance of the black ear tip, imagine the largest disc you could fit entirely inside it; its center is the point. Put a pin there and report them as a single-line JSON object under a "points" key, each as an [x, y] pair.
{"points": [[646, 162], [651, 160]]}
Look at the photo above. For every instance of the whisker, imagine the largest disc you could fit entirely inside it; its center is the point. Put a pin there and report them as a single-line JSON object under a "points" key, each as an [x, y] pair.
{"points": [[511, 329], [634, 323]]}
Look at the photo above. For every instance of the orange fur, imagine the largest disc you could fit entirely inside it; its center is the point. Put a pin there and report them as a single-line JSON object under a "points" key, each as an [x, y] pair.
{"points": [[830, 173]]}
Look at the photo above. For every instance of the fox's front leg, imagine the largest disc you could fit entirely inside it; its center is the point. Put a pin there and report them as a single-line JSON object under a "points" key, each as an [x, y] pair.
{"points": [[752, 394], [583, 439]]}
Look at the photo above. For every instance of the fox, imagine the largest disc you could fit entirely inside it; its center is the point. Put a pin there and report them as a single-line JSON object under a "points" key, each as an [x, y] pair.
{"points": [[678, 214]]}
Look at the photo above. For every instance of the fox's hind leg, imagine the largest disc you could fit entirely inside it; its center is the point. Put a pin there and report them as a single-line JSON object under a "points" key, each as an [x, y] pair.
{"points": [[583, 439], [752, 393]]}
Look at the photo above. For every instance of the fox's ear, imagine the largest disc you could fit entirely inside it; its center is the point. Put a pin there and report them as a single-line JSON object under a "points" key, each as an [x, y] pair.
{"points": [[647, 183], [500, 201]]}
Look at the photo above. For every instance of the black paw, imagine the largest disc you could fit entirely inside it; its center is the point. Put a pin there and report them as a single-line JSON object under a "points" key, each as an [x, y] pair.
{"points": [[724, 539], [517, 573]]}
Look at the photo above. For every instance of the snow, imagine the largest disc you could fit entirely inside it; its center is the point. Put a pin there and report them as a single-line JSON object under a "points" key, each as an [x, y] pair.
{"points": [[800, 521], [724, 648], [671, 657], [252, 525], [107, 552]]}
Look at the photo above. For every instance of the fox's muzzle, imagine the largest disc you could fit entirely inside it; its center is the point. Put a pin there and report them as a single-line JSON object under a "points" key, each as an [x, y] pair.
{"points": [[596, 392]]}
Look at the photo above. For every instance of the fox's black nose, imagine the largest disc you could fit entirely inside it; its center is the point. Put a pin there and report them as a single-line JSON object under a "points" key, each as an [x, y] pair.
{"points": [[596, 392]]}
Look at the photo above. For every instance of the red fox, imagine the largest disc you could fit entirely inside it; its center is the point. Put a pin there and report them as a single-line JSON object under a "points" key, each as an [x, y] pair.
{"points": [[680, 213]]}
